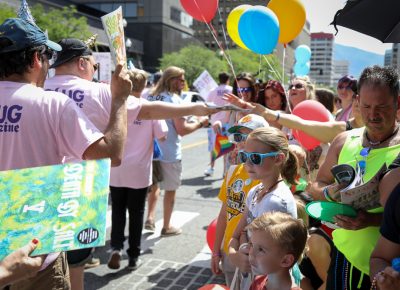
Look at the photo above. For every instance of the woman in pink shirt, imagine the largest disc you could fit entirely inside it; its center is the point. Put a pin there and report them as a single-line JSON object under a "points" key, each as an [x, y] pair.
{"points": [[130, 181]]}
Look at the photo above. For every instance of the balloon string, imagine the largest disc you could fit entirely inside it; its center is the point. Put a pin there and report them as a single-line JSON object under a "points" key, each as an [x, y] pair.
{"points": [[226, 40], [283, 63], [259, 66], [213, 33], [271, 68]]}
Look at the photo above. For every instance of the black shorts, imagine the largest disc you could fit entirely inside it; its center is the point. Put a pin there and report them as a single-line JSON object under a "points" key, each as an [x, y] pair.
{"points": [[78, 258]]}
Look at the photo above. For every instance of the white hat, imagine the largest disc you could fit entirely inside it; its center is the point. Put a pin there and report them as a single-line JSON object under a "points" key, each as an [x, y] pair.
{"points": [[251, 122]]}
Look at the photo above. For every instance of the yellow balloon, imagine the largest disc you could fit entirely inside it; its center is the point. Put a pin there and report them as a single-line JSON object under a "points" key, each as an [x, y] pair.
{"points": [[232, 24], [291, 15]]}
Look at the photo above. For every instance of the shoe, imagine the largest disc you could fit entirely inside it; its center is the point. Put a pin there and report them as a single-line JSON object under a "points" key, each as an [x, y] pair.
{"points": [[134, 263], [171, 232], [115, 260], [150, 226], [209, 171], [92, 263]]}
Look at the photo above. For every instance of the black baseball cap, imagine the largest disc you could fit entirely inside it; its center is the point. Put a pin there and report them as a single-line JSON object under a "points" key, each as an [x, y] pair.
{"points": [[23, 34], [71, 47]]}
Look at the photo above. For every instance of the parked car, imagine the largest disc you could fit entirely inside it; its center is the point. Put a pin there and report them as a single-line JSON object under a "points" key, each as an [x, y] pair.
{"points": [[191, 97]]}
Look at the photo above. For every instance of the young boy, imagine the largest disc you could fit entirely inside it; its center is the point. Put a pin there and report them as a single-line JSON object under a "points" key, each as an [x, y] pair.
{"points": [[277, 242]]}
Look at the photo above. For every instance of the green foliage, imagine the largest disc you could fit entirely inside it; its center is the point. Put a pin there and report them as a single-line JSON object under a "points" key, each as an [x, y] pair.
{"points": [[195, 59], [59, 23]]}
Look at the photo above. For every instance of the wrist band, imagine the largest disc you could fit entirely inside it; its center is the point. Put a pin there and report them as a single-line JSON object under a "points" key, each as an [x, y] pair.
{"points": [[217, 255], [278, 115], [326, 194]]}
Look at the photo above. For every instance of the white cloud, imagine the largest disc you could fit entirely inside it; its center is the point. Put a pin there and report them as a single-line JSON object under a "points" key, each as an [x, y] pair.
{"points": [[320, 14]]}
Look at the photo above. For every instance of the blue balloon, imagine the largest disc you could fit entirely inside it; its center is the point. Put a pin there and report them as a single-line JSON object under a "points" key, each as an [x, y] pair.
{"points": [[259, 29], [302, 53], [301, 69]]}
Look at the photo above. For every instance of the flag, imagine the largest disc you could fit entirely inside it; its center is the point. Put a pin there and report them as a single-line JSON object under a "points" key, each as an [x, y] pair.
{"points": [[222, 146]]}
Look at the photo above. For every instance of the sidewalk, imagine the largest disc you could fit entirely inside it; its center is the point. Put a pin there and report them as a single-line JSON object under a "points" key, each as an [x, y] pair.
{"points": [[158, 275]]}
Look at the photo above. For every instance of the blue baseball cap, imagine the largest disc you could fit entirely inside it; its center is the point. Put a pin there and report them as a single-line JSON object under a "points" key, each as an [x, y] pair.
{"points": [[23, 34]]}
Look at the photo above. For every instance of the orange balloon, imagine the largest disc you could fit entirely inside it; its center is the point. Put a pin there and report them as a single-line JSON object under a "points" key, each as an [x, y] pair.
{"points": [[291, 15]]}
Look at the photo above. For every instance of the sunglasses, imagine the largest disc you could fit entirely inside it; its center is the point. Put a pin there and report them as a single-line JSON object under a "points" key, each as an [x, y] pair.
{"points": [[95, 66], [296, 86], [340, 87], [244, 90], [47, 52], [254, 157], [238, 137]]}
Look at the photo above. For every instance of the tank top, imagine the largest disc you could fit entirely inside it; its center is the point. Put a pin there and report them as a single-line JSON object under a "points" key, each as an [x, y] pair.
{"points": [[364, 239]]}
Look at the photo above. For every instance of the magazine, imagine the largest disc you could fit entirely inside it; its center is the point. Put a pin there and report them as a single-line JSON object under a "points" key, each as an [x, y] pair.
{"points": [[229, 107], [362, 195], [64, 206]]}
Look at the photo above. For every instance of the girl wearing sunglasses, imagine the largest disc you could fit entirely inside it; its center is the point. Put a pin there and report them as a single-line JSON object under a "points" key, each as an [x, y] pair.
{"points": [[300, 89], [266, 157], [346, 91]]}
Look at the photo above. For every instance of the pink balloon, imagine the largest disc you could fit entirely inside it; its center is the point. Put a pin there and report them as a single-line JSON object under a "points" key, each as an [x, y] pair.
{"points": [[309, 110], [201, 10], [212, 227]]}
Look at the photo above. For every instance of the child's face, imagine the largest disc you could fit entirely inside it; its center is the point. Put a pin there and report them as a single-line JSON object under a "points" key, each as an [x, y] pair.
{"points": [[268, 165], [265, 254]]}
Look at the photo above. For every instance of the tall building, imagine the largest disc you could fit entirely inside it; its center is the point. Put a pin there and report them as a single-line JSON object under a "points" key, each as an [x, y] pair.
{"points": [[340, 69], [203, 34], [321, 71], [388, 58]]}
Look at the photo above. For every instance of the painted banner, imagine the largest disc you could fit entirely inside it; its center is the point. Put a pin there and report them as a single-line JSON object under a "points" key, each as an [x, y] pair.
{"points": [[114, 28], [64, 206]]}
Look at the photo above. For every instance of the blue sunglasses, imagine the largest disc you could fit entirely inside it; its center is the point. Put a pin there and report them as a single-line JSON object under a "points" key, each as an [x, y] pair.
{"points": [[254, 157], [244, 90], [239, 137]]}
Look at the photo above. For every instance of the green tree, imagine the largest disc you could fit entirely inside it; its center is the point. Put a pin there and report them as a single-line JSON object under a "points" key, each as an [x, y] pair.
{"points": [[59, 23], [195, 59]]}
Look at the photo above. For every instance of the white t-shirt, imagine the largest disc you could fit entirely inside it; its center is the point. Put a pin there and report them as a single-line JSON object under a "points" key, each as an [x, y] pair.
{"points": [[136, 167], [280, 199], [39, 128], [93, 98]]}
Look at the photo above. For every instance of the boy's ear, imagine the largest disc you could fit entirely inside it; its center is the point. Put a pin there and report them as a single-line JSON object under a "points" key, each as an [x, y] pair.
{"points": [[287, 261]]}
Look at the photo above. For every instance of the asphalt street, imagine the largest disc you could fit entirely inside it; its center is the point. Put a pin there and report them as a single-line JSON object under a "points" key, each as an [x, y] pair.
{"points": [[180, 262]]}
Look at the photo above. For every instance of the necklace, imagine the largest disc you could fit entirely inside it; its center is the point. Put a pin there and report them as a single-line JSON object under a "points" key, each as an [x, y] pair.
{"points": [[376, 143], [260, 189]]}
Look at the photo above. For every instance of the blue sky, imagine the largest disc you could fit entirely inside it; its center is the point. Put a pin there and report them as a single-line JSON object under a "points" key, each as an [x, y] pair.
{"points": [[320, 14]]}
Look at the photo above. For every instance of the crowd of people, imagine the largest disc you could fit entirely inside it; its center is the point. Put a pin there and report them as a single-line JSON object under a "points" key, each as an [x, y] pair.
{"points": [[264, 238]]}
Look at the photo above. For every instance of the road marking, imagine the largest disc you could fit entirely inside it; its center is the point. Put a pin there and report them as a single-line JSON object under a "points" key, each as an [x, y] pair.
{"points": [[178, 219], [203, 258], [194, 144]]}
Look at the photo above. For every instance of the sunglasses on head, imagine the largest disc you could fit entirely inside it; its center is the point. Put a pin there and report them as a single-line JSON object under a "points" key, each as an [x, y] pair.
{"points": [[239, 137], [296, 86], [244, 90], [47, 52], [254, 157]]}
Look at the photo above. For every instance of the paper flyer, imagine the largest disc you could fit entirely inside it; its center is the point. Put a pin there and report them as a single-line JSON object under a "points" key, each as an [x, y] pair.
{"points": [[64, 206], [204, 84], [114, 28]]}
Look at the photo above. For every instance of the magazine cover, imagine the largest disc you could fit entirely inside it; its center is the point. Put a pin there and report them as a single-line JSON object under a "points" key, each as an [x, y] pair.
{"points": [[64, 206], [114, 28]]}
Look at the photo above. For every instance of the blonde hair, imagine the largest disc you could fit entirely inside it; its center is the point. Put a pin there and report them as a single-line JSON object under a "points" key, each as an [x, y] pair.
{"points": [[287, 232], [275, 139], [301, 210], [164, 84], [138, 78], [310, 88], [299, 152]]}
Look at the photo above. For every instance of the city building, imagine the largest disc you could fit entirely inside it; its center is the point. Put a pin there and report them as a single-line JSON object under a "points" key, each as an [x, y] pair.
{"points": [[340, 69], [388, 58], [322, 71], [203, 34]]}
